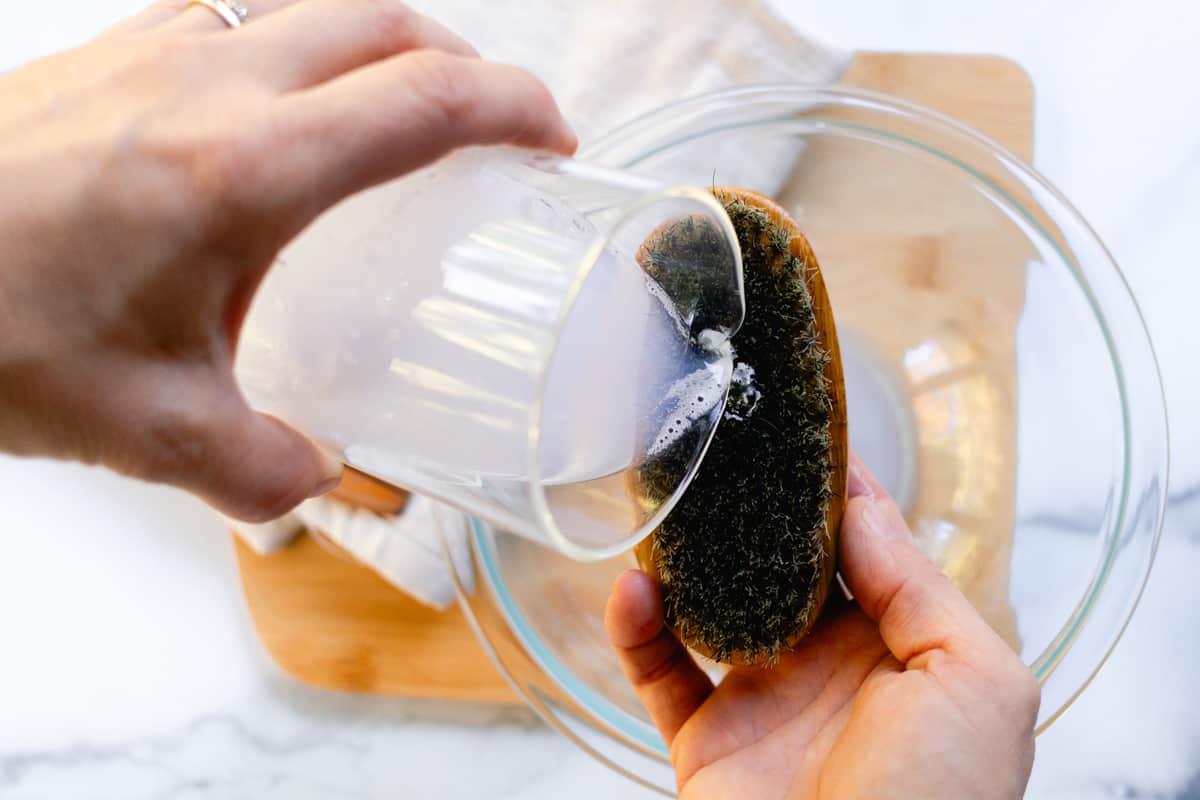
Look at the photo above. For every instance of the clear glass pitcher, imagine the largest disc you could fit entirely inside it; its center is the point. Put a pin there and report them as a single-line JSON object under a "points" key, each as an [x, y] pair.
{"points": [[466, 332]]}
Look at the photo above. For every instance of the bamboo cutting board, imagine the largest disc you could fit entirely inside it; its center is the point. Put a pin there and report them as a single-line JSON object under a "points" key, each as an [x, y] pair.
{"points": [[334, 624]]}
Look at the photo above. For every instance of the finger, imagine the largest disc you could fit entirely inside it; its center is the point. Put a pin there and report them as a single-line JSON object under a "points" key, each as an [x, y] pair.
{"points": [[318, 40], [196, 432], [918, 610], [392, 117], [183, 15], [262, 469], [669, 683], [147, 18], [861, 481]]}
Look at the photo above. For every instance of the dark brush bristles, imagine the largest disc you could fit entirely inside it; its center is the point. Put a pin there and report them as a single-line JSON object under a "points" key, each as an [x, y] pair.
{"points": [[740, 556], [681, 260]]}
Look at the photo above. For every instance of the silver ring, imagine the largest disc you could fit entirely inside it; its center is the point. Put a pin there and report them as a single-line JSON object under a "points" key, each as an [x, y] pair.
{"points": [[231, 11]]}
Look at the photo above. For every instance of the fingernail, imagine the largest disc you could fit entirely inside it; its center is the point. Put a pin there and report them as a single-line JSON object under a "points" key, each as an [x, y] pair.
{"points": [[570, 139], [332, 469], [326, 486], [874, 518], [857, 483]]}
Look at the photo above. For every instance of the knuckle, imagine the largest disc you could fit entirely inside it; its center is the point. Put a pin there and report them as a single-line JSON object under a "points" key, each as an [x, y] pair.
{"points": [[386, 10], [217, 165], [443, 86], [171, 50], [197, 147], [394, 22], [174, 444], [673, 660], [534, 95], [182, 58]]}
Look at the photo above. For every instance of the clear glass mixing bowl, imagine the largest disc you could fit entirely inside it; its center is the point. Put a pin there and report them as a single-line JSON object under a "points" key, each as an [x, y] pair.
{"points": [[1000, 380]]}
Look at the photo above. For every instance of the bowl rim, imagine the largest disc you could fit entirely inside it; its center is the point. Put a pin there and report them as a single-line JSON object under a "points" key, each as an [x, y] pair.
{"points": [[1046, 663], [1159, 425]]}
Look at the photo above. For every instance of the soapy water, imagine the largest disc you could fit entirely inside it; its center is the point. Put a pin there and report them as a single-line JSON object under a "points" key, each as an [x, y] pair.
{"points": [[406, 331], [690, 400], [673, 312], [695, 399]]}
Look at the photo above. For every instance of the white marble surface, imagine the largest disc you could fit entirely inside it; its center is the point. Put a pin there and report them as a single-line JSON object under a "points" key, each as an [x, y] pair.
{"points": [[130, 670]]}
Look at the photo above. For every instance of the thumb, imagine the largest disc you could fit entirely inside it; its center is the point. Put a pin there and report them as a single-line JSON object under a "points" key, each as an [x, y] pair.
{"points": [[262, 468], [668, 682], [917, 608], [247, 465]]}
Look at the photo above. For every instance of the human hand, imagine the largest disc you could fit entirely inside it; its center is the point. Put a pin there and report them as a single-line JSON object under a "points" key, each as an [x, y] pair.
{"points": [[150, 177], [906, 693]]}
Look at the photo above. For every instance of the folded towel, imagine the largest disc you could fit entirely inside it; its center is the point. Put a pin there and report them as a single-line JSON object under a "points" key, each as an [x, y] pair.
{"points": [[404, 549], [606, 62]]}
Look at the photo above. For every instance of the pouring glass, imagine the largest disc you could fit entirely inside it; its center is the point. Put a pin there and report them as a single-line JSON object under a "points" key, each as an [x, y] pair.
{"points": [[466, 332]]}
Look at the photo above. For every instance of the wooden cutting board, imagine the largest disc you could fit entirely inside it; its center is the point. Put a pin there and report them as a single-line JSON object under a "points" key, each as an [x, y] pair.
{"points": [[334, 624]]}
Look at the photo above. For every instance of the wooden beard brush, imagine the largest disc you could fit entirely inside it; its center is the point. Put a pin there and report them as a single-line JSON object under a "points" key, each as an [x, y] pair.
{"points": [[747, 557]]}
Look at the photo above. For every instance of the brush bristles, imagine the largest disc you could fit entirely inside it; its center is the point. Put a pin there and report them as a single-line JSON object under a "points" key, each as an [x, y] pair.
{"points": [[741, 556]]}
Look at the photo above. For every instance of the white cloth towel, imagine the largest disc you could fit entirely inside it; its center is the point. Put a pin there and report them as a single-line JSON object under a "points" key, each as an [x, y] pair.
{"points": [[606, 61], [404, 549]]}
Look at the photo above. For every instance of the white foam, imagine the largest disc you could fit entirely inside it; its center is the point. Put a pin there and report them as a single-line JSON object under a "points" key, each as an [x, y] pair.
{"points": [[748, 397], [689, 399], [716, 342]]}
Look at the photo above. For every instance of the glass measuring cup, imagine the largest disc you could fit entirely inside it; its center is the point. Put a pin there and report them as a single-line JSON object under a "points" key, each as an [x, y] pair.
{"points": [[466, 332]]}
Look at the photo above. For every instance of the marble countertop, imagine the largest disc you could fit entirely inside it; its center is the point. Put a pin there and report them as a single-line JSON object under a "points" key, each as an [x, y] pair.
{"points": [[131, 670]]}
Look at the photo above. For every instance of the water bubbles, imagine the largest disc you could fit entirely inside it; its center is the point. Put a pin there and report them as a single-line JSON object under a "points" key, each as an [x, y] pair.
{"points": [[691, 398]]}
